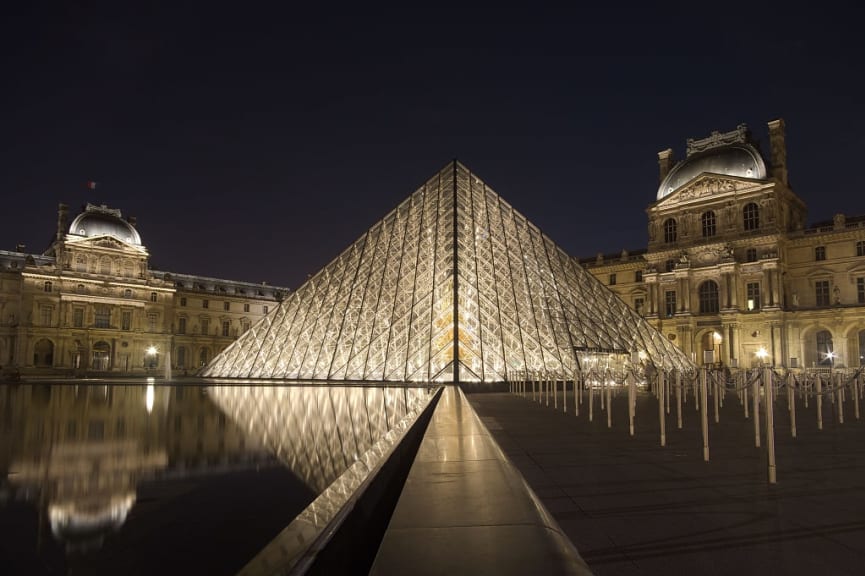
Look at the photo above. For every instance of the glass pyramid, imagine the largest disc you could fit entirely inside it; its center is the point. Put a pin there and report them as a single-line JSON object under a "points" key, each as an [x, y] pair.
{"points": [[453, 285]]}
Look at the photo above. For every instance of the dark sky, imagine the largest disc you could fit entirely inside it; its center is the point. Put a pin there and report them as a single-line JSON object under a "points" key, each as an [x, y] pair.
{"points": [[256, 143]]}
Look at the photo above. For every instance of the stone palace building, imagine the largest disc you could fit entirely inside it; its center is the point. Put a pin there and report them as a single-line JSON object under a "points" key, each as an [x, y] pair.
{"points": [[91, 305], [731, 268]]}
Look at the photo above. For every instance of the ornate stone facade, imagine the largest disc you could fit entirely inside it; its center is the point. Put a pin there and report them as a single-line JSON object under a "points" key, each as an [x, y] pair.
{"points": [[91, 305], [730, 266]]}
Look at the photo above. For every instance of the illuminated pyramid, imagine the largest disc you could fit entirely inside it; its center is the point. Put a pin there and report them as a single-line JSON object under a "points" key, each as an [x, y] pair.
{"points": [[454, 285]]}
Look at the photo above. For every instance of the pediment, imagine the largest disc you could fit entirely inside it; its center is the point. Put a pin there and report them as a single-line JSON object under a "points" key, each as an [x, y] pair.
{"points": [[705, 185], [105, 242]]}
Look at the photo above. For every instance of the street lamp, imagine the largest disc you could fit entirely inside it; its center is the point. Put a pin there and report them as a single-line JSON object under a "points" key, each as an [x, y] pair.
{"points": [[716, 336], [150, 357], [762, 355]]}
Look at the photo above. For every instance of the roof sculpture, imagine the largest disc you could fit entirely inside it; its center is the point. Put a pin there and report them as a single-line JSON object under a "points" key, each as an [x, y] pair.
{"points": [[453, 285]]}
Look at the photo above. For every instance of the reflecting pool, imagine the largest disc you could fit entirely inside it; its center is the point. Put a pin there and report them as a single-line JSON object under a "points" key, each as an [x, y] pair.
{"points": [[103, 478]]}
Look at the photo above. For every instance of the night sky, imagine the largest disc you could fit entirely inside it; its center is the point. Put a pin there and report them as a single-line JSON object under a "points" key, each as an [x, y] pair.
{"points": [[256, 143]]}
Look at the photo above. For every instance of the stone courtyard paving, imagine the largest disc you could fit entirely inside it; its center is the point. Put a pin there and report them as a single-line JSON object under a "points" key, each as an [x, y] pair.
{"points": [[633, 507]]}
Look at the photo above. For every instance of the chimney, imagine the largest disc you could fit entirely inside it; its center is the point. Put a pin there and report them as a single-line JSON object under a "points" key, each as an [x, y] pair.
{"points": [[665, 162], [132, 220], [778, 146], [61, 220]]}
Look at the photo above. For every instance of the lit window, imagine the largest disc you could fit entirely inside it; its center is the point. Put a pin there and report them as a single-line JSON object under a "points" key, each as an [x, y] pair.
{"points": [[753, 294], [670, 232], [102, 317], [708, 222], [825, 349], [612, 279], [820, 253], [670, 303], [751, 216], [708, 293], [821, 290]]}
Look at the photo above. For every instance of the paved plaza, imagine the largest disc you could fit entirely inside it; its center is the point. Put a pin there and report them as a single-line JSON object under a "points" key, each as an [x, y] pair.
{"points": [[633, 507]]}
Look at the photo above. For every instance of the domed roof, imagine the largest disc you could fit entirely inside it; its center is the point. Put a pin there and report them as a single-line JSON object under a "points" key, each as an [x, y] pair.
{"points": [[104, 221], [740, 159]]}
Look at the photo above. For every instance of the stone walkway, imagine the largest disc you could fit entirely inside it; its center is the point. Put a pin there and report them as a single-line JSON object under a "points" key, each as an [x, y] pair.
{"points": [[632, 507]]}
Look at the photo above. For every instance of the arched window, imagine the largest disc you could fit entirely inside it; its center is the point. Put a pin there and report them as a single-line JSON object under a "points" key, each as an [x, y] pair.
{"points": [[181, 357], [105, 266], [708, 222], [670, 230], [81, 264], [751, 216], [708, 293], [203, 356], [825, 350], [43, 353]]}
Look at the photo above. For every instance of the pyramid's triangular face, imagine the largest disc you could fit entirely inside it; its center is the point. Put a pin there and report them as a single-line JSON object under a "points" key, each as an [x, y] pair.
{"points": [[454, 272]]}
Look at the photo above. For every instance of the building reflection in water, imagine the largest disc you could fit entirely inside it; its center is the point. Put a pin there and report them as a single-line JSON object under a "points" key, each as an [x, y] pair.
{"points": [[80, 453], [318, 431]]}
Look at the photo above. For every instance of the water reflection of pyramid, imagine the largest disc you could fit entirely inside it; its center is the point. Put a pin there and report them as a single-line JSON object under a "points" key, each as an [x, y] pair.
{"points": [[454, 272]]}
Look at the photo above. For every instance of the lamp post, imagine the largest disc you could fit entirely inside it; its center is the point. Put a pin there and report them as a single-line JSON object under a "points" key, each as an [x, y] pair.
{"points": [[150, 355], [716, 336]]}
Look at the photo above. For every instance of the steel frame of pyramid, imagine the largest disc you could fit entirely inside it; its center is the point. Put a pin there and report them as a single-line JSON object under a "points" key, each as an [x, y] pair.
{"points": [[454, 272]]}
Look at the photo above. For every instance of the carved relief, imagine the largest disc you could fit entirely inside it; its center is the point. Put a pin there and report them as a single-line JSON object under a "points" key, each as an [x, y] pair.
{"points": [[707, 187]]}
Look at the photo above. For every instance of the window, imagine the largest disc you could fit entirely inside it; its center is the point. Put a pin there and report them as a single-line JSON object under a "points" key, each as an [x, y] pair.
{"points": [[153, 296], [751, 255], [264, 309], [151, 321], [669, 230], [181, 325], [127, 293], [81, 264], [860, 290], [753, 295], [46, 314], [183, 300], [244, 325], [105, 266], [670, 303], [226, 327], [181, 356], [80, 288], [612, 279], [824, 348], [638, 276], [669, 265], [47, 287], [203, 356], [860, 248], [751, 216], [820, 253], [103, 317], [638, 305], [226, 306], [708, 222], [126, 320], [246, 307], [205, 326], [205, 303], [78, 317], [708, 293], [821, 289]]}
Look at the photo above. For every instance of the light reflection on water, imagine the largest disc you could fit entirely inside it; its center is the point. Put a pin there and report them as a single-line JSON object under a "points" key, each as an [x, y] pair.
{"points": [[106, 469]]}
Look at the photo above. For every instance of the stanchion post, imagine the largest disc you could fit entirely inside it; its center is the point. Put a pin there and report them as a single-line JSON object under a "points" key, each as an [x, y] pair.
{"points": [[704, 416]]}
